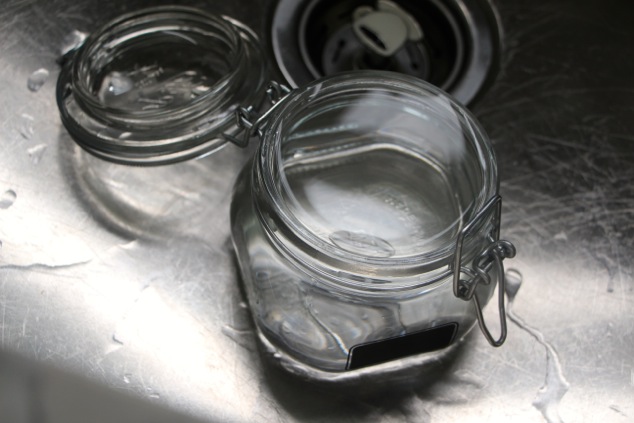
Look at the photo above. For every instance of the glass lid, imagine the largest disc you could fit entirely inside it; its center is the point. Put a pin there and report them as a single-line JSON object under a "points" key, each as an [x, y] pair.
{"points": [[160, 85]]}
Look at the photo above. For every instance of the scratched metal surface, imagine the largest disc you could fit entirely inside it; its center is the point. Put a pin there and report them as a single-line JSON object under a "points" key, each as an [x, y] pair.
{"points": [[127, 277]]}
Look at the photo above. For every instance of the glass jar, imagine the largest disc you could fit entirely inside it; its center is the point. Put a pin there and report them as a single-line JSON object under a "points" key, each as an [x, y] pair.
{"points": [[367, 224], [368, 191]]}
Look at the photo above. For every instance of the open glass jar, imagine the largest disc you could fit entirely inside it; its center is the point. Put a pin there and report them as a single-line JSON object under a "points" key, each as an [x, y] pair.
{"points": [[368, 192], [367, 224]]}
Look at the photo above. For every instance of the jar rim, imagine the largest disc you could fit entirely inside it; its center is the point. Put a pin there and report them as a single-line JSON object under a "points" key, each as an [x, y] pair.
{"points": [[287, 228], [164, 130]]}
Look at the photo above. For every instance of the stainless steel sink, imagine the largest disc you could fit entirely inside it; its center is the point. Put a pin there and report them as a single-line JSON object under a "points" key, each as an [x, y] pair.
{"points": [[91, 285]]}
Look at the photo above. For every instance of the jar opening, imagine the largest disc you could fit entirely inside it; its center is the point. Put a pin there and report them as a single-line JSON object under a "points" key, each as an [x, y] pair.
{"points": [[377, 169]]}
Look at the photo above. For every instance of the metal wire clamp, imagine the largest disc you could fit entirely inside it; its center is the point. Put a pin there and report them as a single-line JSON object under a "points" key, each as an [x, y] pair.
{"points": [[250, 122], [478, 272]]}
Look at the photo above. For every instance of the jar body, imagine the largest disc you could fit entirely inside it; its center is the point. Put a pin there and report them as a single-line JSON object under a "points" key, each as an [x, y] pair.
{"points": [[296, 313], [346, 224]]}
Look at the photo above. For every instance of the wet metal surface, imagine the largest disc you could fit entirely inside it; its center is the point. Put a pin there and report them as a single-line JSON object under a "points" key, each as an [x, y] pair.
{"points": [[127, 276]]}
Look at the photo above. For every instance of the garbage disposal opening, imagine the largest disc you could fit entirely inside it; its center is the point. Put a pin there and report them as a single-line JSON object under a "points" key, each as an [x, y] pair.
{"points": [[453, 44]]}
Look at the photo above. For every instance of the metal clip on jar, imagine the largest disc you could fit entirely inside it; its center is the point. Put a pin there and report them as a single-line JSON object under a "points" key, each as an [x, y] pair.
{"points": [[367, 224]]}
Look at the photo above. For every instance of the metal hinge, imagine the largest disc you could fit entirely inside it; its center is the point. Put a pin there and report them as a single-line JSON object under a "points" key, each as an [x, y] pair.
{"points": [[248, 120]]}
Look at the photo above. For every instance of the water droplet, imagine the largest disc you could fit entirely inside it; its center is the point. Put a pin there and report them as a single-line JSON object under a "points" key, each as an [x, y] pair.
{"points": [[116, 339], [277, 356], [242, 337], [199, 90], [151, 393], [72, 40], [555, 386], [37, 152], [127, 377], [271, 223], [7, 199], [37, 79], [243, 304], [617, 409], [513, 283], [26, 129], [114, 85]]}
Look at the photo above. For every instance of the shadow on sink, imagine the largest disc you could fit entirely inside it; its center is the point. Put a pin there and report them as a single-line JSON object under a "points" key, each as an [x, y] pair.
{"points": [[31, 393]]}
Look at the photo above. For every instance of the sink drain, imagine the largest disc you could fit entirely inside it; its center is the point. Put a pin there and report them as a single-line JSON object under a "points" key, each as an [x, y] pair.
{"points": [[453, 44]]}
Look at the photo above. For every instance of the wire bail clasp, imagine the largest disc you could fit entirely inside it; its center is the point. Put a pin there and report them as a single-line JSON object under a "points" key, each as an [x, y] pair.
{"points": [[248, 120], [492, 256]]}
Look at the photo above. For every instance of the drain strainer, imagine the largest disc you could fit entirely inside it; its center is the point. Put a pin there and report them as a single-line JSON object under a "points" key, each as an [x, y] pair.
{"points": [[453, 44]]}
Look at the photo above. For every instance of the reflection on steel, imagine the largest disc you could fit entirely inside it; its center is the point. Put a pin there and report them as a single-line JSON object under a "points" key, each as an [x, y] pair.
{"points": [[127, 276]]}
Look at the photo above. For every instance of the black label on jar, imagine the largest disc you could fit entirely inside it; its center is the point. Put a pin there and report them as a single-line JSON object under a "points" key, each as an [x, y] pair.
{"points": [[376, 352]]}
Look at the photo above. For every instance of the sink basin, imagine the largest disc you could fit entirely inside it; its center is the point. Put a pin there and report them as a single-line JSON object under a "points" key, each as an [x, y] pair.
{"points": [[134, 287]]}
